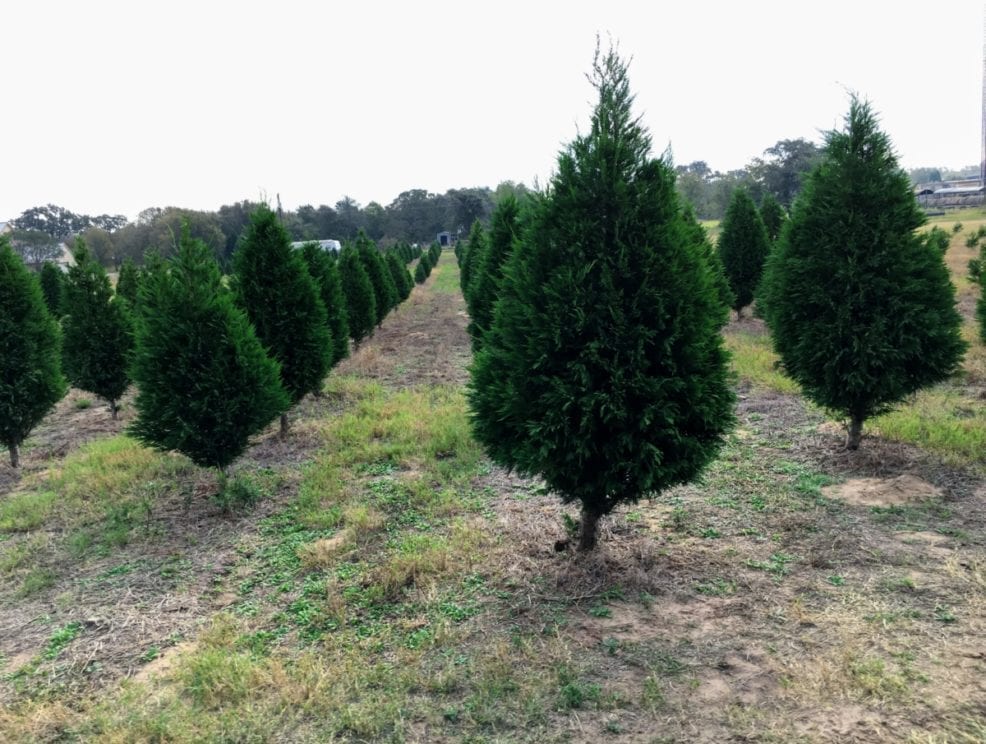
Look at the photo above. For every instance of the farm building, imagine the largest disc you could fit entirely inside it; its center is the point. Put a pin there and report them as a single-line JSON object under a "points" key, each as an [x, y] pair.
{"points": [[951, 194], [445, 239]]}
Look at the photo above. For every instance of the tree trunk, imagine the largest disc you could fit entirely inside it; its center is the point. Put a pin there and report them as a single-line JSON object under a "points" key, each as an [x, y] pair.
{"points": [[15, 456], [590, 526], [855, 432], [114, 409], [284, 425]]}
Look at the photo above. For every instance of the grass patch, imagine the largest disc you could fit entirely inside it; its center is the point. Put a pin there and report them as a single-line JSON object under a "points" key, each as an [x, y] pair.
{"points": [[754, 360]]}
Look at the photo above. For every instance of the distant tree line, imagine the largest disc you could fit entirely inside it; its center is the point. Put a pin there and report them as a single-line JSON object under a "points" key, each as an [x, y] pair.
{"points": [[415, 215]]}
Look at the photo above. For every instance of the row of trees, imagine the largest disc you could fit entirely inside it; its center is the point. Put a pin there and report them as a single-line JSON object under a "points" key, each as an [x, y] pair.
{"points": [[213, 361], [603, 370]]}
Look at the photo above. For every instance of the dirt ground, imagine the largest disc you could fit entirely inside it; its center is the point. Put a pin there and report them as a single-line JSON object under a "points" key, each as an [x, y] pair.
{"points": [[798, 592]]}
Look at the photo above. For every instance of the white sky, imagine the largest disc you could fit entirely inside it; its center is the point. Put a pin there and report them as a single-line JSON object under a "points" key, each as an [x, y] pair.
{"points": [[112, 107]]}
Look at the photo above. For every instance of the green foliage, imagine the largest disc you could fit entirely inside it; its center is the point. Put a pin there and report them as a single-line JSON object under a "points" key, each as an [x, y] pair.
{"points": [[977, 271], [773, 216], [743, 248], [861, 308], [471, 257], [31, 379], [711, 255], [504, 230], [272, 284], [422, 270], [98, 331], [402, 280], [325, 272], [384, 291], [53, 287], [938, 239], [126, 283], [361, 303], [205, 383], [604, 370]]}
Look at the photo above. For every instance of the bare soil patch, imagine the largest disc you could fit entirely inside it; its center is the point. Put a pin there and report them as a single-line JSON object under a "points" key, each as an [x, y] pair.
{"points": [[903, 489]]}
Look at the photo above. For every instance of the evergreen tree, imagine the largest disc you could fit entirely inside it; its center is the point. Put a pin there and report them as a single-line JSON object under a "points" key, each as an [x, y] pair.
{"points": [[701, 239], [98, 331], [361, 304], [272, 284], [204, 382], [53, 287], [604, 370], [743, 248], [474, 250], [384, 291], [402, 282], [977, 272], [504, 230], [772, 214], [422, 270], [126, 283], [31, 379], [861, 309], [325, 272]]}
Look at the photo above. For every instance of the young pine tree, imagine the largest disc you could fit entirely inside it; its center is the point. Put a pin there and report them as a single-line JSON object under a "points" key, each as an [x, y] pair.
{"points": [[204, 382], [471, 256], [743, 248], [772, 214], [422, 270], [504, 231], [53, 287], [604, 370], [701, 239], [977, 272], [272, 285], [402, 282], [361, 303], [860, 308], [98, 331], [325, 272], [31, 379], [384, 291], [126, 283]]}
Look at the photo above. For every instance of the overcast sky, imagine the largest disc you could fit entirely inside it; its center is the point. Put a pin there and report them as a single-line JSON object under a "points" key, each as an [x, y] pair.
{"points": [[112, 107]]}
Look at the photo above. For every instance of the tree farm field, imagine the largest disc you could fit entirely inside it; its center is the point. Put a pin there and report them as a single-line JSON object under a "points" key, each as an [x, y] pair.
{"points": [[392, 585]]}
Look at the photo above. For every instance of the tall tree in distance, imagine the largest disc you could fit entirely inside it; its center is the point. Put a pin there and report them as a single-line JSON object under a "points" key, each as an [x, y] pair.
{"points": [[475, 248], [504, 230], [53, 287], [98, 331], [31, 379], [860, 308], [604, 370], [743, 247], [772, 214], [325, 272], [361, 303], [204, 382], [272, 285], [384, 290]]}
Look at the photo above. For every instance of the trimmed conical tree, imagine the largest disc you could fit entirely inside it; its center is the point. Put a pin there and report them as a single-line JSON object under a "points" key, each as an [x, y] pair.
{"points": [[31, 379], [53, 287], [604, 370], [711, 255], [504, 230], [422, 270], [204, 382], [272, 284], [402, 282], [861, 309], [977, 272], [471, 256], [98, 331], [384, 291], [773, 216], [743, 248], [126, 283], [361, 303], [325, 272]]}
